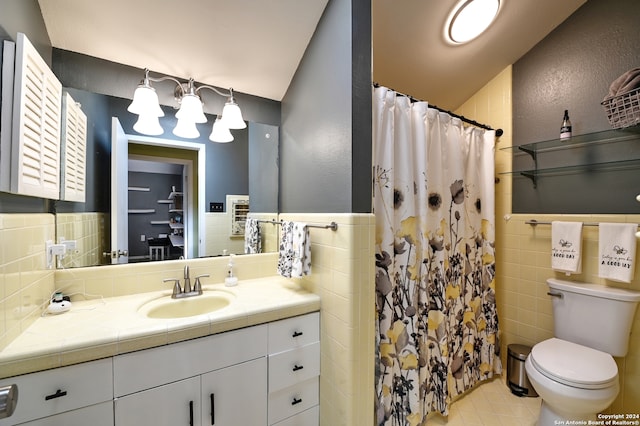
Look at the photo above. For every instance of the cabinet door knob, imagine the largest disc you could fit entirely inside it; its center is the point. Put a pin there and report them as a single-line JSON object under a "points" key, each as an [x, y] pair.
{"points": [[297, 367], [59, 393]]}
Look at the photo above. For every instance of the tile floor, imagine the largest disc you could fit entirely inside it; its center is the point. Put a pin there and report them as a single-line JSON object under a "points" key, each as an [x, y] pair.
{"points": [[490, 404]]}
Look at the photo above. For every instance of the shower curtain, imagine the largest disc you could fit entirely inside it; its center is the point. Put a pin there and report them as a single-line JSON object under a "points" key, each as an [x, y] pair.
{"points": [[437, 323]]}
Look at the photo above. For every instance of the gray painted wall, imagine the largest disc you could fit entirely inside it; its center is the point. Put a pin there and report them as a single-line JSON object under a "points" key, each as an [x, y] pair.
{"points": [[326, 117], [572, 69], [264, 167]]}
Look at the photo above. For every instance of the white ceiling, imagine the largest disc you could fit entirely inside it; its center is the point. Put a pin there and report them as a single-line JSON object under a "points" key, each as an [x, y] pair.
{"points": [[255, 46], [252, 46]]}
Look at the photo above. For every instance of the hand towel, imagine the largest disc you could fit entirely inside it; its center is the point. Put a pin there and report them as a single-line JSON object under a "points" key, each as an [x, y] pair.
{"points": [[566, 247], [252, 238], [617, 251], [294, 259], [285, 249], [301, 244]]}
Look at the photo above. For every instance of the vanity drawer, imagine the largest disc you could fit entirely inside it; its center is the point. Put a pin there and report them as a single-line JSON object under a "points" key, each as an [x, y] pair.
{"points": [[294, 332], [310, 417], [63, 389], [293, 400], [294, 366], [137, 371], [96, 415]]}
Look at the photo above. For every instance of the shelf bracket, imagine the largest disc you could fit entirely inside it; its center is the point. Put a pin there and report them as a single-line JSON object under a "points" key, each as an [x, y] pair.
{"points": [[531, 152], [531, 176], [534, 155]]}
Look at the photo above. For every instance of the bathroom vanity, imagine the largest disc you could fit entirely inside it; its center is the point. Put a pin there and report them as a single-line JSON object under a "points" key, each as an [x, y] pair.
{"points": [[267, 373]]}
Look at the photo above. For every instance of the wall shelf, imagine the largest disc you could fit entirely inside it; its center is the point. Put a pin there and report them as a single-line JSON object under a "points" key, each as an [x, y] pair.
{"points": [[586, 141], [141, 211]]}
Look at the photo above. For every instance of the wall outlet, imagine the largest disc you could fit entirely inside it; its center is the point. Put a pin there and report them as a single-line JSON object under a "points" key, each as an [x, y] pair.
{"points": [[143, 238]]}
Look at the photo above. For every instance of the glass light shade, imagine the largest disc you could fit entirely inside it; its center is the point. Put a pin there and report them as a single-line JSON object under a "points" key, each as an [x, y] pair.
{"points": [[186, 129], [148, 124], [232, 116], [470, 19], [191, 109], [220, 132], [145, 101]]}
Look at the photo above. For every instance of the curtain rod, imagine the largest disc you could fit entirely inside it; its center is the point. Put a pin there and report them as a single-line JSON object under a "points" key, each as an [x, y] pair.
{"points": [[333, 226], [499, 132]]}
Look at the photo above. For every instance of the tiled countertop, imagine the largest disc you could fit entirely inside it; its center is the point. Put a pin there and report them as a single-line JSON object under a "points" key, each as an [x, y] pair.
{"points": [[106, 327]]}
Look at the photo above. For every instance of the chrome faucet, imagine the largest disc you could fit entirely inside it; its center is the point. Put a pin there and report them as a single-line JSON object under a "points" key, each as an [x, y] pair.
{"points": [[187, 280], [186, 291]]}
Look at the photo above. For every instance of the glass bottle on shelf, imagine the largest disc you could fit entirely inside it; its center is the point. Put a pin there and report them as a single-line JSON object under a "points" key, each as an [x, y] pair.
{"points": [[565, 129]]}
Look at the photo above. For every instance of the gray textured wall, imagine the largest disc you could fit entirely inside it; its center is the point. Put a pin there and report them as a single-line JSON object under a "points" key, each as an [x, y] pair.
{"points": [[326, 117], [572, 69]]}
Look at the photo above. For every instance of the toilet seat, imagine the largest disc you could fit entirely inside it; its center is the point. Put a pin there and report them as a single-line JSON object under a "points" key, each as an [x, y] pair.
{"points": [[574, 365]]}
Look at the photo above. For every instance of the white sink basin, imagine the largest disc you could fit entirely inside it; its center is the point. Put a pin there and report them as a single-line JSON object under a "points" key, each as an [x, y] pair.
{"points": [[165, 307]]}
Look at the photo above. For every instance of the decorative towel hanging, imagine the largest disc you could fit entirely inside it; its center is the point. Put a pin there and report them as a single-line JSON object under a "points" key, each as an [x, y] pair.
{"points": [[301, 243], [566, 247], [617, 251], [252, 238], [294, 259]]}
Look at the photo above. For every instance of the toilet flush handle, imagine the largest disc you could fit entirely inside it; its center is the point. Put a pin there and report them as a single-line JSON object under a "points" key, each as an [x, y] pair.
{"points": [[558, 295]]}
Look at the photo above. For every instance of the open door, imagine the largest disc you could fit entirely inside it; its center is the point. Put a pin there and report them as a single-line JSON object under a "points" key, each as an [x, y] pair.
{"points": [[119, 194]]}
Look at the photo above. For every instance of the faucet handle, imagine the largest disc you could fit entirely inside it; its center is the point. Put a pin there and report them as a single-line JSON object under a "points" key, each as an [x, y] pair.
{"points": [[176, 286], [197, 286]]}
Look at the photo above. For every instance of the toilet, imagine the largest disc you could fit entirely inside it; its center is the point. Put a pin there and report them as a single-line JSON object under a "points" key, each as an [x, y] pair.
{"points": [[574, 372]]}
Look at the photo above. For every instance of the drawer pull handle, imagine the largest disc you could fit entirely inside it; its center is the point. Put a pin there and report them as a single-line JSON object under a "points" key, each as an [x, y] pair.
{"points": [[190, 413], [58, 394], [297, 334], [213, 408], [296, 401], [297, 367]]}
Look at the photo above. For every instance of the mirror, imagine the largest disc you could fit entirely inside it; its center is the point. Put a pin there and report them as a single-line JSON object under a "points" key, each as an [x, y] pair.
{"points": [[246, 168]]}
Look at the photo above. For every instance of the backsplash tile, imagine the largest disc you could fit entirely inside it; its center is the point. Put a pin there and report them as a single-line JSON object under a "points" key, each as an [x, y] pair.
{"points": [[25, 282]]}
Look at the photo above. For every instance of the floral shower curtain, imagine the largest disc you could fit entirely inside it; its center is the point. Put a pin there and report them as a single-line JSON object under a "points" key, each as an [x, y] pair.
{"points": [[437, 323]]}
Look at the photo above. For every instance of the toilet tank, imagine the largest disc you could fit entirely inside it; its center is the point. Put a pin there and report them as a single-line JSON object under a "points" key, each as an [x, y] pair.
{"points": [[593, 315]]}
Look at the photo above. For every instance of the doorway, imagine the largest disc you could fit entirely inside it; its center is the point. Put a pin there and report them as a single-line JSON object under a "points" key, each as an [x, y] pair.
{"points": [[158, 207]]}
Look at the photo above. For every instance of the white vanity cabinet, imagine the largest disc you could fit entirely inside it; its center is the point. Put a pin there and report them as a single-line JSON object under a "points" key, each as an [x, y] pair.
{"points": [[256, 376], [220, 378], [294, 371], [77, 395], [235, 395]]}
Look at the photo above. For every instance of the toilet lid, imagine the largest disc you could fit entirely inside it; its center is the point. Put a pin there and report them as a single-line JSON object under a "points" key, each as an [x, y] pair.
{"points": [[574, 365]]}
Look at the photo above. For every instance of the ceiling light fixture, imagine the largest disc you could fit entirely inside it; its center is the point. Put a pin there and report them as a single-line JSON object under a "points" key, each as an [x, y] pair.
{"points": [[469, 19], [147, 106]]}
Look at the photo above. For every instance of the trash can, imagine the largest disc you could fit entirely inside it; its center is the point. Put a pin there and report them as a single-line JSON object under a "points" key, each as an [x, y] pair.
{"points": [[517, 379]]}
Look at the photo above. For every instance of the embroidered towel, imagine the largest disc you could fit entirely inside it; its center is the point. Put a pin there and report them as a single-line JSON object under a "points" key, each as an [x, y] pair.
{"points": [[294, 259], [566, 247], [252, 239], [617, 251]]}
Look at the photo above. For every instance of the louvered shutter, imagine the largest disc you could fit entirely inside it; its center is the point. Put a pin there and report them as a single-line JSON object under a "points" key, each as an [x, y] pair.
{"points": [[74, 142], [35, 168]]}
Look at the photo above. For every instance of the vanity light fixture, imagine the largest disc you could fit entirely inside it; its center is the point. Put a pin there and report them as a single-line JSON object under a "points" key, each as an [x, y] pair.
{"points": [[469, 19], [147, 106]]}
